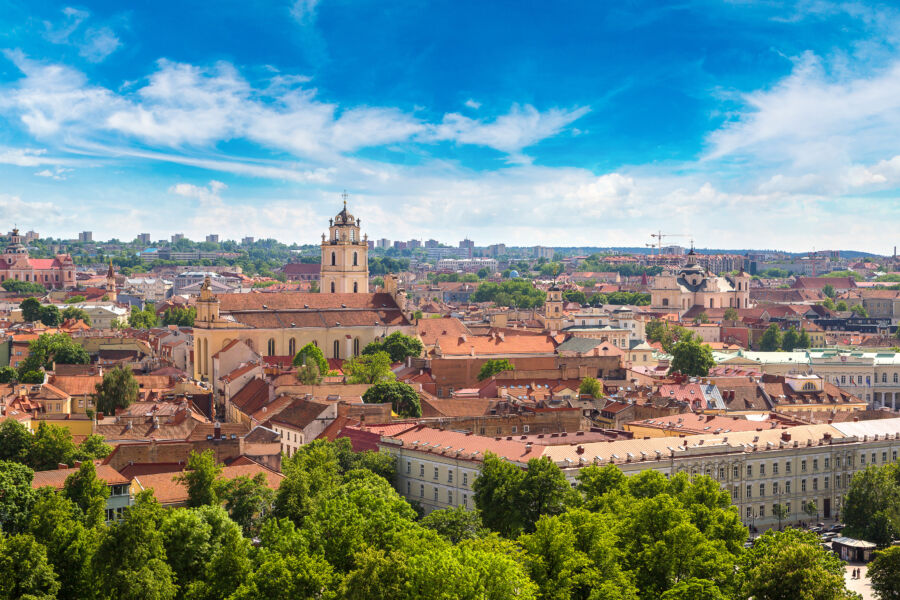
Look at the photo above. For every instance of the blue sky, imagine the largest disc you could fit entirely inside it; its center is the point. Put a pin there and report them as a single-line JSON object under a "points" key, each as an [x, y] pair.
{"points": [[743, 124]]}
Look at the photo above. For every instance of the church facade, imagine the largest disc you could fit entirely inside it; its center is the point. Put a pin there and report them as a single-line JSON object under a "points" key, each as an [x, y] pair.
{"points": [[52, 273], [693, 286], [340, 322]]}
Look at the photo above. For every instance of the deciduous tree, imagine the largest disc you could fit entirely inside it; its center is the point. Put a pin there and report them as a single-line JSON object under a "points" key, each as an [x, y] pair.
{"points": [[403, 398], [119, 389], [369, 368], [494, 366]]}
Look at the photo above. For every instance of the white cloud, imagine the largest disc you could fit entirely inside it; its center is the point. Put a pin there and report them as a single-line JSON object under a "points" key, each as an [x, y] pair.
{"points": [[93, 43], [521, 127], [29, 214], [99, 43], [473, 104], [304, 11], [58, 173], [186, 105]]}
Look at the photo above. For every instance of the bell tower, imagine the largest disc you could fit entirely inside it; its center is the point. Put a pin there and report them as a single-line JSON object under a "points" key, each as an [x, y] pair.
{"points": [[345, 256], [111, 291], [207, 306], [553, 309]]}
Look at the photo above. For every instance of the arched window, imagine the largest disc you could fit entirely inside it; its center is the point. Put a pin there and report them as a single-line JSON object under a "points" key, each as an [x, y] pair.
{"points": [[292, 347], [333, 259], [355, 287], [337, 349], [332, 287], [710, 302], [355, 261], [271, 347], [356, 347]]}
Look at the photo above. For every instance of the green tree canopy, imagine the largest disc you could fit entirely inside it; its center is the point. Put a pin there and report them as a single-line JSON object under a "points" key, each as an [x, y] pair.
{"points": [[691, 358], [201, 478], [791, 564], [771, 339], [24, 569], [75, 313], [119, 389], [23, 287], [494, 366], [17, 497], [50, 316], [403, 398], [88, 492], [31, 310], [790, 340], [311, 354], [143, 319], [884, 573], [871, 508], [369, 368], [398, 346], [590, 387]]}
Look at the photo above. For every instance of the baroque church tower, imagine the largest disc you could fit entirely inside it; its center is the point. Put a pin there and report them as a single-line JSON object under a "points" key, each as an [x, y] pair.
{"points": [[345, 256], [111, 290]]}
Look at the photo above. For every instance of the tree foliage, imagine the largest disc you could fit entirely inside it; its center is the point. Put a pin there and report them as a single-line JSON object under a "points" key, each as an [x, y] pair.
{"points": [[23, 287], [590, 387], [119, 389], [514, 293], [398, 346], [871, 507], [494, 366], [691, 358], [884, 573], [311, 354], [369, 368], [403, 398], [771, 339], [143, 319]]}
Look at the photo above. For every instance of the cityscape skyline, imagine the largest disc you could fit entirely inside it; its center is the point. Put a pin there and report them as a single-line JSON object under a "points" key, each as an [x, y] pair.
{"points": [[746, 126]]}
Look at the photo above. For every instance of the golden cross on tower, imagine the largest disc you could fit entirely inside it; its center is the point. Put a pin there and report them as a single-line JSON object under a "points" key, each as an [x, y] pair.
{"points": [[345, 196]]}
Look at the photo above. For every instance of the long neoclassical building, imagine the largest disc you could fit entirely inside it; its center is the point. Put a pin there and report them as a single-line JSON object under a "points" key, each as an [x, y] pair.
{"points": [[341, 322]]}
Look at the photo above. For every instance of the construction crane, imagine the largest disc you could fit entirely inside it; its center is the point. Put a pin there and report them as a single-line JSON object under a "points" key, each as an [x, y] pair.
{"points": [[659, 235]]}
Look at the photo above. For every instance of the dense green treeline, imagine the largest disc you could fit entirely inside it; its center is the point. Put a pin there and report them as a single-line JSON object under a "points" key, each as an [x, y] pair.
{"points": [[336, 528]]}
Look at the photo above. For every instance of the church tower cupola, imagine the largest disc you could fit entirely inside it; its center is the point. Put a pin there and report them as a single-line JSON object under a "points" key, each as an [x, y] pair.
{"points": [[345, 256], [111, 290]]}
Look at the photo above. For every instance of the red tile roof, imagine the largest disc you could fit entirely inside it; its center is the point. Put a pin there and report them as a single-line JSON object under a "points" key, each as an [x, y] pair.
{"points": [[56, 478]]}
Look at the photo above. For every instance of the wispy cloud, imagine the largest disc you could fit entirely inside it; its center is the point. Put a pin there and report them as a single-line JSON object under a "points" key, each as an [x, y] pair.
{"points": [[93, 43], [186, 105]]}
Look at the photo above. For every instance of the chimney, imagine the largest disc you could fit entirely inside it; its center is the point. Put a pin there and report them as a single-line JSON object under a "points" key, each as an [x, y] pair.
{"points": [[785, 436], [217, 431], [61, 466]]}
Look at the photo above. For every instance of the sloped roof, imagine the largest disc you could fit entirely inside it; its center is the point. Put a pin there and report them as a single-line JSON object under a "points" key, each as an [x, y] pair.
{"points": [[56, 478]]}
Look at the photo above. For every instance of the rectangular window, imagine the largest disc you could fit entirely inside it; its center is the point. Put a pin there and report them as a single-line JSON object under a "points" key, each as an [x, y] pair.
{"points": [[826, 482], [422, 470], [749, 512], [802, 485], [862, 459], [787, 487], [884, 457], [408, 467], [749, 470], [421, 490], [762, 490], [826, 462], [775, 487], [762, 469], [787, 467], [526, 428], [721, 472], [815, 483], [774, 468], [435, 494], [515, 429], [734, 472], [449, 476], [749, 491], [435, 473], [465, 500], [873, 458], [449, 497], [465, 478], [762, 511], [803, 466], [815, 464]]}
